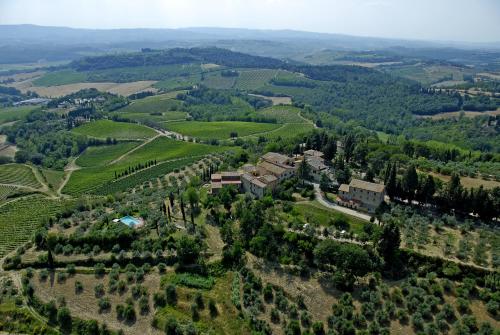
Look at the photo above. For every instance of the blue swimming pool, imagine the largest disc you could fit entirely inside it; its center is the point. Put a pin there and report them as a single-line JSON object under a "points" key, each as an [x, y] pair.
{"points": [[130, 221]]}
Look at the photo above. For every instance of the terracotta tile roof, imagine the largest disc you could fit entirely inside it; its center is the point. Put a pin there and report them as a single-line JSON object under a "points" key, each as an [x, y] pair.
{"points": [[365, 185]]}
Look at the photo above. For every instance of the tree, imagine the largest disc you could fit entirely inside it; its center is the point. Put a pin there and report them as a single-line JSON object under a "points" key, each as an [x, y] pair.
{"points": [[183, 211], [349, 145], [388, 245], [171, 295], [324, 183], [304, 170], [188, 250], [330, 149], [454, 191], [427, 190], [410, 182], [391, 183]]}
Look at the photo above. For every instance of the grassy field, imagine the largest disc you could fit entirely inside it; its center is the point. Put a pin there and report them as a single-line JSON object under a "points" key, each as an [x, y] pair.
{"points": [[315, 213], [20, 218], [159, 119], [215, 80], [161, 149], [283, 114], [219, 130], [119, 130], [18, 174], [63, 77], [102, 155], [10, 114], [177, 83]]}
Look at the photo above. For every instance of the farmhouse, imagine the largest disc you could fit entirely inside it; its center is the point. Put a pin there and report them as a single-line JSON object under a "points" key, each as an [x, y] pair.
{"points": [[258, 185], [361, 194], [317, 166], [313, 153], [220, 180]]}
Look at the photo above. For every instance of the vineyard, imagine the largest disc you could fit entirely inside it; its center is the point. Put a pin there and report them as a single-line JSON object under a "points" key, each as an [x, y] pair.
{"points": [[19, 219], [254, 79], [18, 175], [219, 130], [102, 155], [140, 177], [9, 192], [215, 80], [154, 104], [283, 114], [161, 149], [119, 130]]}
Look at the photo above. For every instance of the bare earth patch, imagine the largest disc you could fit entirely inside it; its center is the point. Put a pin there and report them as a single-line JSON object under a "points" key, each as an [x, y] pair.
{"points": [[275, 100]]}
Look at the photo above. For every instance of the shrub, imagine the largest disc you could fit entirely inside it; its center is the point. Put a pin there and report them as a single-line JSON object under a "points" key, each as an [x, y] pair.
{"points": [[172, 327], [268, 293], [70, 269], [64, 319], [195, 315], [318, 328], [171, 295], [78, 287], [462, 305], [417, 321], [275, 315], [104, 304], [159, 300], [212, 308], [99, 290], [198, 299], [99, 270], [492, 306], [144, 305]]}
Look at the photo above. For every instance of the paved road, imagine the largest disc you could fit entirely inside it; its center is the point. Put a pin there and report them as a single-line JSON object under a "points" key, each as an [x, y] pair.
{"points": [[321, 199]]}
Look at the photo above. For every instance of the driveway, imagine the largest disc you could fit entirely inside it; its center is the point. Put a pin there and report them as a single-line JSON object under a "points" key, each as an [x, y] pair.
{"points": [[321, 199]]}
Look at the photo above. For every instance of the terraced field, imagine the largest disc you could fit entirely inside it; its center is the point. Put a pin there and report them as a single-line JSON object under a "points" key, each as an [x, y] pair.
{"points": [[18, 174], [161, 149], [219, 130], [119, 130], [215, 80], [163, 117], [20, 218]]}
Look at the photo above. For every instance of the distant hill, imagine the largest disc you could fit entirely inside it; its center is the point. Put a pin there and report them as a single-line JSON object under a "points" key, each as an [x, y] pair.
{"points": [[31, 43]]}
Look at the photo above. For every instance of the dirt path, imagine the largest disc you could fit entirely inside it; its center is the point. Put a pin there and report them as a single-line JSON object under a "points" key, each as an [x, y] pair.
{"points": [[16, 277], [68, 171], [264, 132]]}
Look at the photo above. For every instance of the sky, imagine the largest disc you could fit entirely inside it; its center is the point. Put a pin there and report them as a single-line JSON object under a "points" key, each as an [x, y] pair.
{"points": [[437, 20]]}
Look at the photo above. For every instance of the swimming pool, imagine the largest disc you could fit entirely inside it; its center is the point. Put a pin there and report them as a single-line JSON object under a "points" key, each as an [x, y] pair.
{"points": [[130, 221]]}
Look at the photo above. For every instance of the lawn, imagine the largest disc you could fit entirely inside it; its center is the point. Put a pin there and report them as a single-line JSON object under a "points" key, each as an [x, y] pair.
{"points": [[316, 213], [160, 149], [18, 174], [63, 77], [119, 130], [102, 155], [10, 114], [219, 130]]}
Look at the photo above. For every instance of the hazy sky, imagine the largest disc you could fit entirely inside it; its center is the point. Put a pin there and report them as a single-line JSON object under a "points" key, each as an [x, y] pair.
{"points": [[452, 20]]}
